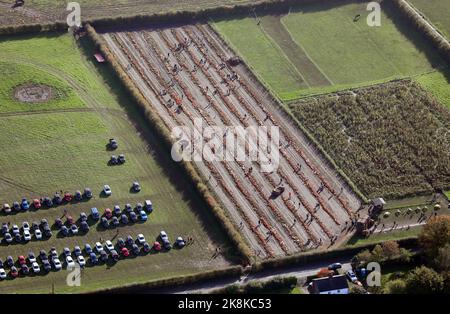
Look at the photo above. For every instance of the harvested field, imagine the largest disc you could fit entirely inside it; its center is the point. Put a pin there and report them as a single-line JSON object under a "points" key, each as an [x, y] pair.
{"points": [[392, 140], [33, 93], [184, 75]]}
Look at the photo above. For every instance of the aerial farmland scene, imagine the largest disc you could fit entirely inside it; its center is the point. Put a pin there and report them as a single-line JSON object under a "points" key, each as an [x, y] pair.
{"points": [[225, 147]]}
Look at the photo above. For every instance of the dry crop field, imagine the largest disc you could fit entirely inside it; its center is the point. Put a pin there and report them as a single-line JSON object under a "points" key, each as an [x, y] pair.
{"points": [[184, 74]]}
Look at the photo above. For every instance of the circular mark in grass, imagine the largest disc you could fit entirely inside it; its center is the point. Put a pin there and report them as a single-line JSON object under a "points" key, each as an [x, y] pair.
{"points": [[33, 93]]}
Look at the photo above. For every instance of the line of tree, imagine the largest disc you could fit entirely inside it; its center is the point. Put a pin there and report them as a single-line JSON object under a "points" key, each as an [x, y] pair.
{"points": [[420, 24], [157, 124], [277, 284]]}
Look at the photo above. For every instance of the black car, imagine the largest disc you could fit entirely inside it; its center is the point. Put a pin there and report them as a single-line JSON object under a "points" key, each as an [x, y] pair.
{"points": [[121, 159], [115, 221], [166, 244], [10, 261], [105, 222], [83, 216], [84, 226], [78, 196], [43, 255], [133, 217], [47, 231], [113, 160], [57, 199], [35, 226], [5, 228], [114, 255], [113, 143], [120, 243], [25, 270], [124, 219], [87, 193], [117, 211], [103, 256], [16, 206], [44, 222], [130, 240], [59, 223], [128, 208], [18, 237], [64, 231], [47, 265], [135, 249], [47, 201], [335, 266]]}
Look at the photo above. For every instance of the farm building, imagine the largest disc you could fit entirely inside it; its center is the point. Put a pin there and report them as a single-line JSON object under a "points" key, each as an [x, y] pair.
{"points": [[330, 285]]}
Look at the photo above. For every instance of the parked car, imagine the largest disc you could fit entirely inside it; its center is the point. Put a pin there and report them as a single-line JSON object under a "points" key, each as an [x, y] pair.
{"points": [[38, 234], [10, 261], [83, 216], [117, 210], [78, 196], [18, 238], [146, 247], [107, 190], [6, 208], [113, 160], [135, 249], [180, 242], [94, 213], [121, 159], [334, 266], [128, 208], [140, 238], [15, 229], [37, 203], [157, 246], [47, 201], [77, 251], [5, 228], [70, 262], [125, 251], [2, 274], [114, 255], [93, 258], [105, 223], [136, 186], [1, 263], [43, 255], [133, 217], [88, 248], [34, 225], [31, 257], [139, 207], [53, 253], [58, 223], [98, 247], [124, 219], [163, 235], [351, 276], [142, 216], [25, 205], [113, 144], [66, 252], [13, 272], [46, 265], [108, 213], [115, 221], [47, 231], [44, 222], [87, 193], [103, 256], [57, 263], [68, 197], [130, 240], [64, 231], [16, 206], [57, 199], [84, 226], [8, 237], [26, 235], [25, 225], [74, 229], [166, 244], [81, 261], [25, 269], [70, 220], [120, 243], [36, 268], [22, 260], [109, 245]]}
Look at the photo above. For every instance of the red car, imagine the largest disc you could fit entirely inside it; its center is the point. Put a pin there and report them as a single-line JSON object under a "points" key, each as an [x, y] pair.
{"points": [[37, 203], [108, 213], [125, 251], [14, 273], [70, 220], [22, 260], [68, 197], [157, 246]]}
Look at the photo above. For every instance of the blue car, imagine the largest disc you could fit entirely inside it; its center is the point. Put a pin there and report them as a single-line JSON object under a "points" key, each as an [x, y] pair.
{"points": [[93, 258], [25, 205], [143, 215], [94, 213], [88, 248]]}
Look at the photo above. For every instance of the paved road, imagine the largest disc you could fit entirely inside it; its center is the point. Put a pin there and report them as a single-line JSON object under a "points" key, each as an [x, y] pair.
{"points": [[300, 271]]}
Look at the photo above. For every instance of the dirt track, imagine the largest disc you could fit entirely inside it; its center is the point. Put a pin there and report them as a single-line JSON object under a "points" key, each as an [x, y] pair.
{"points": [[305, 216]]}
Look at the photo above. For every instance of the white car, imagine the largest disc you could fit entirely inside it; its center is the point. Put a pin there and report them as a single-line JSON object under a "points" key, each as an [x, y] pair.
{"points": [[109, 245], [36, 268], [107, 190], [31, 258], [2, 274], [26, 226], [163, 235], [26, 235], [141, 238], [81, 260], [70, 262], [98, 247], [57, 264], [38, 234]]}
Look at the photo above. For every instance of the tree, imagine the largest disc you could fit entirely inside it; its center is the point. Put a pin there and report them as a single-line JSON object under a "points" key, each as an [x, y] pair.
{"points": [[396, 286], [364, 256], [355, 289], [442, 260], [435, 235], [424, 280], [390, 249]]}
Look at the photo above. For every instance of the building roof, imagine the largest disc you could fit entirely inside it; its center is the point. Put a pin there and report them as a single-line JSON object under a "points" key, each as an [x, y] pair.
{"points": [[330, 283], [99, 58]]}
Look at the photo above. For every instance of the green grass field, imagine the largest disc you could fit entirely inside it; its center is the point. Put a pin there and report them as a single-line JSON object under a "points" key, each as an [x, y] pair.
{"points": [[438, 83], [59, 149], [331, 44], [437, 11]]}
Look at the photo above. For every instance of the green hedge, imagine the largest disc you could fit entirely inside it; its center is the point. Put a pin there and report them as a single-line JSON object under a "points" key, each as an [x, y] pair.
{"points": [[174, 281], [157, 124], [260, 287], [33, 28]]}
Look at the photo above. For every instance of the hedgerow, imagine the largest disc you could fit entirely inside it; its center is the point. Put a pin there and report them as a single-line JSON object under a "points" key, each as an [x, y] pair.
{"points": [[392, 140]]}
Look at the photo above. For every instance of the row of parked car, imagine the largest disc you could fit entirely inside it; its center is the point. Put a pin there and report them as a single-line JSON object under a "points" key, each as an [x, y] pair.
{"points": [[14, 234], [57, 199], [100, 253]]}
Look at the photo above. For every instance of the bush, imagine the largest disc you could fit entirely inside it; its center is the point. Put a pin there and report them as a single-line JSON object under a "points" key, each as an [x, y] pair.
{"points": [[424, 280]]}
